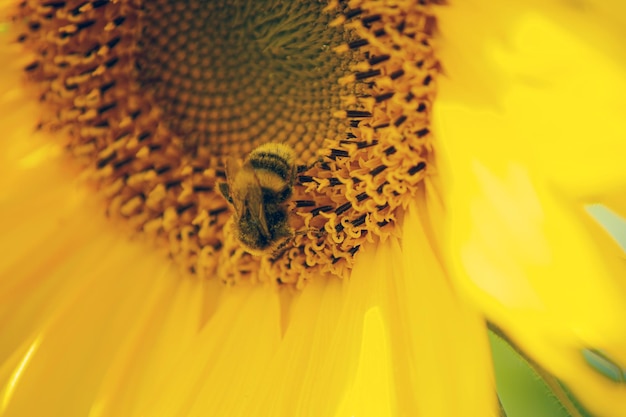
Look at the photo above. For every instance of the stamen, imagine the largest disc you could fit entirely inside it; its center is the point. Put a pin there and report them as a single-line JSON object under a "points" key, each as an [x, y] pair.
{"points": [[358, 113], [367, 74]]}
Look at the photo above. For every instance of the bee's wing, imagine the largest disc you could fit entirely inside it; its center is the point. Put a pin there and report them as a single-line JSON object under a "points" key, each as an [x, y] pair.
{"points": [[243, 190], [231, 168], [254, 202]]}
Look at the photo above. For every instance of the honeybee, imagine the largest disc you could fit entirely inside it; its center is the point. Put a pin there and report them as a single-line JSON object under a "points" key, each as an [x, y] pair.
{"points": [[259, 191]]}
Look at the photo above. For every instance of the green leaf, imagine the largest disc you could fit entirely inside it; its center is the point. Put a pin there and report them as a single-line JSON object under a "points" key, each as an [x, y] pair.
{"points": [[525, 389]]}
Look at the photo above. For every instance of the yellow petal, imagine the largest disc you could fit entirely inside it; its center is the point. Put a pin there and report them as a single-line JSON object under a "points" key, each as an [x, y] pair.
{"points": [[535, 263], [556, 77], [77, 296], [530, 133], [434, 309], [219, 373]]}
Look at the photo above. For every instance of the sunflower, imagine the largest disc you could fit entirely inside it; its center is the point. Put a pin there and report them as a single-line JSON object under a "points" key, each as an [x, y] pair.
{"points": [[126, 292]]}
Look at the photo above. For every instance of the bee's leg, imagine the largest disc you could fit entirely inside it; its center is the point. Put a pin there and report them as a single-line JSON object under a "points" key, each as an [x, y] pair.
{"points": [[280, 250], [318, 232], [288, 241]]}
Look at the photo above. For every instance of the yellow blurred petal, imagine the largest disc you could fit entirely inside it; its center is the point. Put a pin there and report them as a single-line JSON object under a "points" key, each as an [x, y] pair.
{"points": [[373, 375], [157, 341], [290, 380], [456, 348], [12, 370], [220, 372], [531, 129], [537, 269], [556, 82], [78, 296]]}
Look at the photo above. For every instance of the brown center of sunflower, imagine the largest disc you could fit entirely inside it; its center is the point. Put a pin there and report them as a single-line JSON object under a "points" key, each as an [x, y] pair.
{"points": [[154, 94], [231, 75]]}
